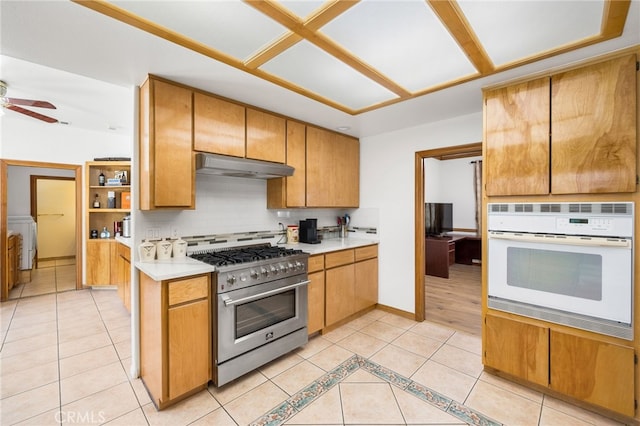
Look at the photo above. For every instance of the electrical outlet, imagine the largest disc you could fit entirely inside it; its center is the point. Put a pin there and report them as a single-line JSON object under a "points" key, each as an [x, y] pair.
{"points": [[174, 232], [149, 233]]}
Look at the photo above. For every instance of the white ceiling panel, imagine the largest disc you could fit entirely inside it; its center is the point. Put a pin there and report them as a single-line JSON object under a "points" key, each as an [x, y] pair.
{"points": [[302, 8], [513, 30], [404, 40], [230, 26], [311, 68]]}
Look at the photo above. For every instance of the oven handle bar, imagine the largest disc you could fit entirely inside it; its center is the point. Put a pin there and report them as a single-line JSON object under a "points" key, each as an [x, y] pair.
{"points": [[562, 239], [231, 302]]}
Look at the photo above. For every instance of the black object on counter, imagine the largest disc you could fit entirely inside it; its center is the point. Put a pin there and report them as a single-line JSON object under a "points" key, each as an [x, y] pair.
{"points": [[308, 232]]}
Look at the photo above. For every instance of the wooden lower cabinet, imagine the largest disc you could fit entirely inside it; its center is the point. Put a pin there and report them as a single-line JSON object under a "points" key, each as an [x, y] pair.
{"points": [[588, 369], [517, 348], [123, 261], [351, 282], [101, 264], [175, 337], [315, 297], [340, 292], [593, 371]]}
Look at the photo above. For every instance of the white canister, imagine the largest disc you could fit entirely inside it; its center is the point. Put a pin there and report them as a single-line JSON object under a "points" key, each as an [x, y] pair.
{"points": [[179, 248], [163, 249], [147, 251], [292, 234]]}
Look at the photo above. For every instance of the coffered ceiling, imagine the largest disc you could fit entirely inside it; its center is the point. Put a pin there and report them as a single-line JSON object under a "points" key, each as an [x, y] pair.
{"points": [[357, 56]]}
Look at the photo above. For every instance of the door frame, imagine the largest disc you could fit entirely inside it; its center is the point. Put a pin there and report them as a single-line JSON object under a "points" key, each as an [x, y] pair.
{"points": [[33, 184], [4, 168], [448, 153]]}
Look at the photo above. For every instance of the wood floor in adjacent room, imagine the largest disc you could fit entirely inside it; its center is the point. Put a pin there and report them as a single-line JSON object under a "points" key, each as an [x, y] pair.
{"points": [[455, 302]]}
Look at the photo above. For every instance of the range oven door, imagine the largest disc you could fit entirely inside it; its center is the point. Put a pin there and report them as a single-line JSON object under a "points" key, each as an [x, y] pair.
{"points": [[590, 276], [251, 317]]}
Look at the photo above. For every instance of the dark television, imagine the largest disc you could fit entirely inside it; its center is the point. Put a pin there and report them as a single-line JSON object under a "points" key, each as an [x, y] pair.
{"points": [[438, 218]]}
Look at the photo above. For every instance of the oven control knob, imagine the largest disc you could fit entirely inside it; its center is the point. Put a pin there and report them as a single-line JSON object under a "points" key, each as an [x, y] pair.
{"points": [[291, 267], [254, 274], [283, 268], [231, 279], [299, 266], [273, 270], [264, 272], [243, 277]]}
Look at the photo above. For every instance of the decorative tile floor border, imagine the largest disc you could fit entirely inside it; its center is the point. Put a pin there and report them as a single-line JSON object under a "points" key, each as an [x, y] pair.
{"points": [[306, 396]]}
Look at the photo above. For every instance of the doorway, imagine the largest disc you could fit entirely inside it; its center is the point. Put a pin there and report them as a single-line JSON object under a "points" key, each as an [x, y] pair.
{"points": [[460, 151], [76, 171]]}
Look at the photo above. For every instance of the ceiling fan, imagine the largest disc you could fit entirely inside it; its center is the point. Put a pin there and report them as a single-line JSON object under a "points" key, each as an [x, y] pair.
{"points": [[13, 105]]}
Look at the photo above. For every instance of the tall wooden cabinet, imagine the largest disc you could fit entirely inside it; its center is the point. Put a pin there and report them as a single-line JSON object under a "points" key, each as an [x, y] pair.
{"points": [[167, 162], [175, 337], [573, 132], [100, 262]]}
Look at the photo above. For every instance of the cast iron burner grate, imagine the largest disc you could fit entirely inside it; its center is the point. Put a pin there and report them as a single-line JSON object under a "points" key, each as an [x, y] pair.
{"points": [[238, 255]]}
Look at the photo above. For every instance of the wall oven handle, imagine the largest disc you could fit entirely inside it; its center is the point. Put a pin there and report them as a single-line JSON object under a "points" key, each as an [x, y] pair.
{"points": [[231, 302], [562, 239]]}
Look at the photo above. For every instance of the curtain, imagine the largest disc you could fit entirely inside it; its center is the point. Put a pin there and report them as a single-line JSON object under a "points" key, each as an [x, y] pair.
{"points": [[477, 186]]}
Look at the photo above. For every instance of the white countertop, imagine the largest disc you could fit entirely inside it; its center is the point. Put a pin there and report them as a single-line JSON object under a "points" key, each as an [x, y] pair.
{"points": [[333, 244], [123, 240], [176, 268]]}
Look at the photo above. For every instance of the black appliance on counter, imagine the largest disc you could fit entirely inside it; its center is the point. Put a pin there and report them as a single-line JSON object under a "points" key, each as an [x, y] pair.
{"points": [[308, 231], [259, 306]]}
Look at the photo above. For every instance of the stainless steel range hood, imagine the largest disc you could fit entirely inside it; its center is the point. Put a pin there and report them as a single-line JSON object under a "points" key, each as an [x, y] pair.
{"points": [[223, 165]]}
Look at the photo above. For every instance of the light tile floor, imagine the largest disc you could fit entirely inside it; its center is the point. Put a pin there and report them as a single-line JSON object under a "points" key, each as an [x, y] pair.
{"points": [[50, 276], [65, 359]]}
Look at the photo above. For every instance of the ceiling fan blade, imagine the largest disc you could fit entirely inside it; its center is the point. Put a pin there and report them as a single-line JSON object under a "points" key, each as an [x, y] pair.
{"points": [[30, 102], [31, 113]]}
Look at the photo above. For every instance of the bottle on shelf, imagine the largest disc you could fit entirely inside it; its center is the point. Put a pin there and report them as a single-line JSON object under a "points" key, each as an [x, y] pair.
{"points": [[96, 202], [101, 179], [105, 233]]}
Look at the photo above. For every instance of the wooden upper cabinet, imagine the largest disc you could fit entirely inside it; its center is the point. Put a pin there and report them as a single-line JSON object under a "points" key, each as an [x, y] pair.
{"points": [[265, 136], [296, 185], [333, 169], [218, 126], [593, 130], [166, 146], [517, 139]]}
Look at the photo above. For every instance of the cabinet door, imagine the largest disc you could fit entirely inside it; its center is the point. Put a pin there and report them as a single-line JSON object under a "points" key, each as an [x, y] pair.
{"points": [[594, 128], [593, 371], [265, 136], [333, 169], [218, 126], [339, 292], [291, 191], [173, 164], [98, 262], [517, 139], [517, 348], [189, 356], [315, 303], [366, 287]]}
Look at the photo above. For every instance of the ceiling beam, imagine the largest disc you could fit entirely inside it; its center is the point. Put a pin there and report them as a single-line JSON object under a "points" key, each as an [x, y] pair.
{"points": [[614, 17], [285, 18], [456, 23]]}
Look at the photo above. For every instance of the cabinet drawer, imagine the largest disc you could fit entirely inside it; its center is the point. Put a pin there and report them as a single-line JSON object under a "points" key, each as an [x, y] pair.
{"points": [[190, 289], [316, 263], [344, 257], [367, 252]]}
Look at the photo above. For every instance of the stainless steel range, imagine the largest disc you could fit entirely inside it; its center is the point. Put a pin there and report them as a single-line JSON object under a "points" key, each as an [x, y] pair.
{"points": [[260, 306]]}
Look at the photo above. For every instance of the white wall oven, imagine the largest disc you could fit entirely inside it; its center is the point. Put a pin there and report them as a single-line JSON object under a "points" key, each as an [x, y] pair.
{"points": [[567, 263]]}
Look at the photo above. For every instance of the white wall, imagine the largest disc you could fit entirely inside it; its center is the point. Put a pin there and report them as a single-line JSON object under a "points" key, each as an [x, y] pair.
{"points": [[19, 186], [451, 181], [387, 183]]}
